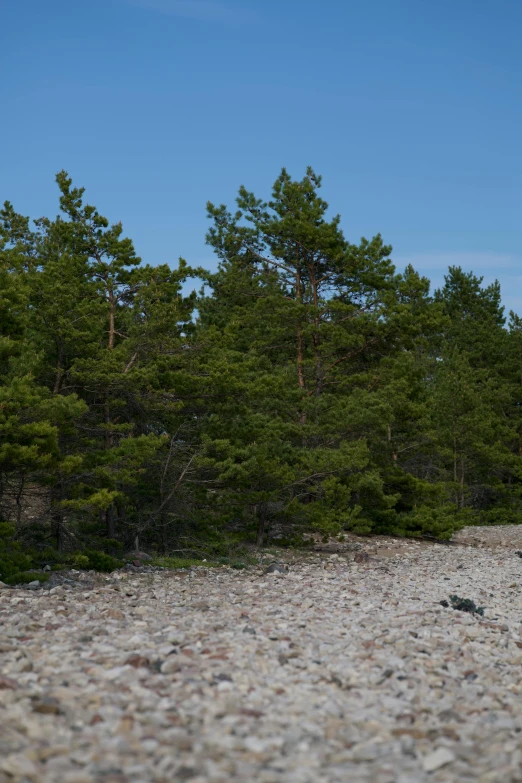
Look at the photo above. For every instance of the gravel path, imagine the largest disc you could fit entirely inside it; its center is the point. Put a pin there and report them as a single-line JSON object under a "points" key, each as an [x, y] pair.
{"points": [[337, 671]]}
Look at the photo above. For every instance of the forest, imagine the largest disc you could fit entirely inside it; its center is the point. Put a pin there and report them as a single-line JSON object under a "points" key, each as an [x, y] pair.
{"points": [[309, 387]]}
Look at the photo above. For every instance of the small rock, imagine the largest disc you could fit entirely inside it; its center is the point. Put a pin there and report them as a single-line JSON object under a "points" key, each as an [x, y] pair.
{"points": [[449, 715], [223, 677], [115, 614], [277, 568], [201, 605], [137, 661], [47, 706], [170, 666], [185, 773], [361, 557], [46, 568], [7, 684], [33, 585], [19, 767], [439, 758]]}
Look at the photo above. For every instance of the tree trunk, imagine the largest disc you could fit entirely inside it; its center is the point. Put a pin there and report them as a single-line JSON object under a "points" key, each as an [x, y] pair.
{"points": [[57, 528], [112, 328], [300, 359], [455, 474], [59, 371], [261, 525], [300, 345], [19, 496], [109, 523], [394, 455], [107, 422], [317, 354], [57, 522], [461, 481]]}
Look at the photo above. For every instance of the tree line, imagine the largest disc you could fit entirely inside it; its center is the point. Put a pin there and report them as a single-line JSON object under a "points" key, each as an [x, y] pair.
{"points": [[309, 385]]}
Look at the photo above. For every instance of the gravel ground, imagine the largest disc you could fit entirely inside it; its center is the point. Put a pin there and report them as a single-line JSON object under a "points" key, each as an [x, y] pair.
{"points": [[337, 671]]}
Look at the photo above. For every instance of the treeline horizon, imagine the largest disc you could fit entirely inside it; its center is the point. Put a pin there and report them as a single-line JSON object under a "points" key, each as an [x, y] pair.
{"points": [[309, 386]]}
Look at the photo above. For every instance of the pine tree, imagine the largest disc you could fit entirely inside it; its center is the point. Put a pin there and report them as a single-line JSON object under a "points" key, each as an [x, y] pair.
{"points": [[304, 319]]}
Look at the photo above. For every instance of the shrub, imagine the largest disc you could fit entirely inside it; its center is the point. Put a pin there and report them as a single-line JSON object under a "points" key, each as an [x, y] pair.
{"points": [[438, 523], [92, 559], [12, 559], [100, 561], [24, 577]]}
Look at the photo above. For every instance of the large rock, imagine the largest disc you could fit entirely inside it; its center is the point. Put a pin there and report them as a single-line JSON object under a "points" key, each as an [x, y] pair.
{"points": [[277, 568], [143, 556]]}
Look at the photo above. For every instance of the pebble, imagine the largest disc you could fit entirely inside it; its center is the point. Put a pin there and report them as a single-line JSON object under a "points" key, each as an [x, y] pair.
{"points": [[439, 758], [353, 671]]}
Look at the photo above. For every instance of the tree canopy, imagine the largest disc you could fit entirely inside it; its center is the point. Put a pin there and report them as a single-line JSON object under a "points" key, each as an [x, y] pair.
{"points": [[309, 386]]}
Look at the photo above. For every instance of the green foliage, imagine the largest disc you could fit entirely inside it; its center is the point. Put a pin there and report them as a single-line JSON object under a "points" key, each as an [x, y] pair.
{"points": [[466, 605], [80, 561], [432, 522], [184, 562], [309, 388], [24, 577], [97, 561], [12, 560]]}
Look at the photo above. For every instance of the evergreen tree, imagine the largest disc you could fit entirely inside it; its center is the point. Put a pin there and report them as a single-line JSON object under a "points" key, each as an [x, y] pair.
{"points": [[304, 319]]}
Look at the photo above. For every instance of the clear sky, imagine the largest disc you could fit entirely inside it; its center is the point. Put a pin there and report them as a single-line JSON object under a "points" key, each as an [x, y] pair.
{"points": [[410, 109]]}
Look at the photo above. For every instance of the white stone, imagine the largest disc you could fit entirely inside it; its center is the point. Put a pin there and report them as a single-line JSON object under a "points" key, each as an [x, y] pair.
{"points": [[439, 758]]}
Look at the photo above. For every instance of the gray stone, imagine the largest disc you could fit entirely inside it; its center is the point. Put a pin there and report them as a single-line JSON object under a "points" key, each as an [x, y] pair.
{"points": [[131, 679], [277, 568], [439, 758]]}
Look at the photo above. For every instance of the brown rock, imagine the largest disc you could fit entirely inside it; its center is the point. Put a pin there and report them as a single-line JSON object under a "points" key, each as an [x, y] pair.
{"points": [[47, 706], [361, 557], [201, 605], [414, 733], [7, 684], [495, 626], [115, 614], [137, 661]]}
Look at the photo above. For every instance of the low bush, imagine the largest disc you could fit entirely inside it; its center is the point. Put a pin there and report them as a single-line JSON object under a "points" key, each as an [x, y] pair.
{"points": [[24, 577], [13, 560], [99, 561]]}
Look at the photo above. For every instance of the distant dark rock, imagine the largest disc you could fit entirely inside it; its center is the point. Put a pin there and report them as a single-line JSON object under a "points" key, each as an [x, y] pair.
{"points": [[143, 556], [277, 568], [466, 605]]}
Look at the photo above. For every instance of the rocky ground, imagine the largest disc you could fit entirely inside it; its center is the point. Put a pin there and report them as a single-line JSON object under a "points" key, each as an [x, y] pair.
{"points": [[340, 670]]}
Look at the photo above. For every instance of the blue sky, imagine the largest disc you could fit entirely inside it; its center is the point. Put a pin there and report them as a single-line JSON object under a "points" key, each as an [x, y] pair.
{"points": [[410, 109]]}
